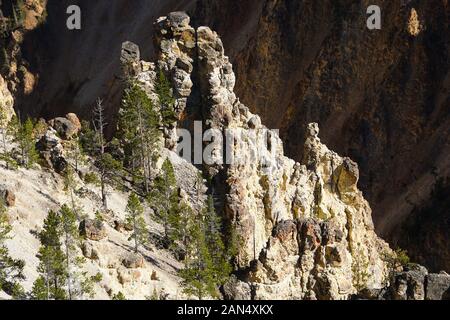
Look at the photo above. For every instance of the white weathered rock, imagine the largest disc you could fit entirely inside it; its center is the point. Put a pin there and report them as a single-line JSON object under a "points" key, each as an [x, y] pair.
{"points": [[305, 230], [6, 100]]}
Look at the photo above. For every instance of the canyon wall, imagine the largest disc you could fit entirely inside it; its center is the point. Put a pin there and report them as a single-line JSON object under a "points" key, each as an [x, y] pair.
{"points": [[380, 97]]}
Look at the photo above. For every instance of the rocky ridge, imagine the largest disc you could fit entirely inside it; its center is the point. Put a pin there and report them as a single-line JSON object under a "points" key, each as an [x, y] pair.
{"points": [[306, 231]]}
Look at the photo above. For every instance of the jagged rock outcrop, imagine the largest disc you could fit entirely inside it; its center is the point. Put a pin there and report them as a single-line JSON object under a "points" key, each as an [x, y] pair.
{"points": [[305, 230], [92, 229], [7, 196], [51, 150], [175, 43], [414, 282], [66, 127], [51, 144]]}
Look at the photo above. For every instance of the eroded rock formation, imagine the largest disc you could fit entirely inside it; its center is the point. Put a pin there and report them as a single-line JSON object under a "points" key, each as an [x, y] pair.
{"points": [[304, 229], [380, 96]]}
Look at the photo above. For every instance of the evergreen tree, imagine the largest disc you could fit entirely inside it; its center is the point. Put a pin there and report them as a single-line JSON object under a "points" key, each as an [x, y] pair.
{"points": [[214, 239], [79, 284], [119, 296], [75, 153], [135, 218], [164, 199], [60, 265], [11, 270], [70, 185], [181, 221], [167, 102], [138, 129], [53, 266], [197, 278], [109, 169], [88, 139], [108, 166], [207, 263], [70, 236], [24, 135]]}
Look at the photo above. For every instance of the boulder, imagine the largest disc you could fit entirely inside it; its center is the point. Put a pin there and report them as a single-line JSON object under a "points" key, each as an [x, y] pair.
{"points": [[438, 286], [409, 284], [154, 276], [73, 118], [130, 53], [51, 151], [254, 122], [133, 260], [8, 196], [48, 141], [65, 128], [179, 19], [92, 229], [130, 58], [89, 251], [126, 276], [121, 226], [235, 289]]}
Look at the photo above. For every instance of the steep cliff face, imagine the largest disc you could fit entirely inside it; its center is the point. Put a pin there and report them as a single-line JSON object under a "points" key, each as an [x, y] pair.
{"points": [[304, 229], [379, 96]]}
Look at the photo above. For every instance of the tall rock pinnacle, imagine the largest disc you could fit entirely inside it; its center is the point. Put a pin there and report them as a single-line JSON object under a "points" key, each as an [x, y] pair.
{"points": [[304, 229]]}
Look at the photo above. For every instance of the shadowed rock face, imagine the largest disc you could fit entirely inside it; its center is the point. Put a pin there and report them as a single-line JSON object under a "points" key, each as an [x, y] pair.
{"points": [[380, 97]]}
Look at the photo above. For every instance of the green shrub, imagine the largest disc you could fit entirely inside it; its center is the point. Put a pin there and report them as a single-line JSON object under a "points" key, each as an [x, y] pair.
{"points": [[91, 178]]}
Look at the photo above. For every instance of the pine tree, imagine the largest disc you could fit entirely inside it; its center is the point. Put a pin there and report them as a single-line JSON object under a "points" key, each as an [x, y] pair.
{"points": [[100, 144], [135, 218], [60, 265], [79, 283], [138, 129], [75, 153], [11, 270], [70, 185], [197, 278], [207, 263], [70, 236], [164, 199], [119, 296], [53, 266], [109, 169], [181, 222], [214, 238], [108, 166], [24, 135], [167, 102]]}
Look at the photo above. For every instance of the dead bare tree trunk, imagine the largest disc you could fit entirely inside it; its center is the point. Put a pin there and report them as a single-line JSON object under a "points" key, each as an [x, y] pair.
{"points": [[99, 128]]}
